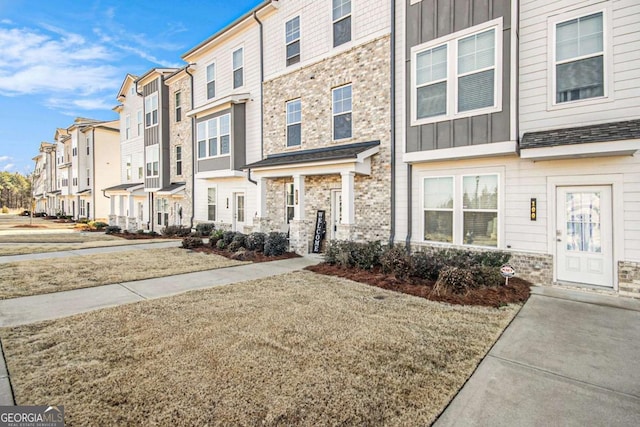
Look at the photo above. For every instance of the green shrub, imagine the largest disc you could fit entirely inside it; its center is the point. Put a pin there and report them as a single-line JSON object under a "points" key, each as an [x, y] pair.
{"points": [[276, 244], [204, 229], [492, 258], [221, 244], [228, 236], [140, 232], [99, 225], [367, 255], [112, 229], [487, 277], [83, 220], [457, 280], [216, 235], [237, 243], [395, 260], [192, 242], [5, 210], [255, 241], [176, 231], [426, 265]]}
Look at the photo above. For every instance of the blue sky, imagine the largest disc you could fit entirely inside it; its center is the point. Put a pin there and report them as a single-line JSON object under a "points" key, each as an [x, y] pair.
{"points": [[67, 58]]}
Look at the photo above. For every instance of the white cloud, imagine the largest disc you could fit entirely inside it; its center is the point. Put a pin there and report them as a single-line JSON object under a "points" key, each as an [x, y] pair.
{"points": [[4, 158], [70, 105], [6, 21], [8, 167]]}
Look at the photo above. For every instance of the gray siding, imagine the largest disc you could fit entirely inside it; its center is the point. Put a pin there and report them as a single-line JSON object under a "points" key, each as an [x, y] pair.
{"points": [[431, 19], [214, 164], [164, 120], [239, 136]]}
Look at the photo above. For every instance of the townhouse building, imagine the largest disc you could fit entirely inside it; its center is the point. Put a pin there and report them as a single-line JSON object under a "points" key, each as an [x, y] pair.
{"points": [[44, 179], [226, 121], [325, 155], [519, 132]]}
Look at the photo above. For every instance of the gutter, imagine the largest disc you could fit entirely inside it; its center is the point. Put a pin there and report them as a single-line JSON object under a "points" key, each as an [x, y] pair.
{"points": [[409, 202], [193, 152], [392, 96], [255, 16]]}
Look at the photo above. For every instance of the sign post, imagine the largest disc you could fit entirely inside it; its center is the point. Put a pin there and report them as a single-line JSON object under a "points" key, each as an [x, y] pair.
{"points": [[507, 271], [319, 232]]}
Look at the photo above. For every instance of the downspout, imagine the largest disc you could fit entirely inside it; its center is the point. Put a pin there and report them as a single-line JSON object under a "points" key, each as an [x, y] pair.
{"points": [[193, 153], [409, 202], [149, 195], [392, 95], [255, 16]]}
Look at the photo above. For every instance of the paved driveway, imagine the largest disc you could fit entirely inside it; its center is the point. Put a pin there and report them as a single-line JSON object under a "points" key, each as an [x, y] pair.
{"points": [[567, 359]]}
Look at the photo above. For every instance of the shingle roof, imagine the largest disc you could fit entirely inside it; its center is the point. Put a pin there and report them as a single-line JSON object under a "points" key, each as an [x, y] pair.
{"points": [[338, 152], [122, 187], [172, 186], [616, 131]]}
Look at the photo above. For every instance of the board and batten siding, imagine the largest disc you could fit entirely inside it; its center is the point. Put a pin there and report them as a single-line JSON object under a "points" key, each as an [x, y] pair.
{"points": [[429, 20], [623, 98], [524, 180]]}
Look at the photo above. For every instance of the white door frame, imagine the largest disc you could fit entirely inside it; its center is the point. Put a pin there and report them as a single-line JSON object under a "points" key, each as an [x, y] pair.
{"points": [[616, 182], [235, 210], [334, 217]]}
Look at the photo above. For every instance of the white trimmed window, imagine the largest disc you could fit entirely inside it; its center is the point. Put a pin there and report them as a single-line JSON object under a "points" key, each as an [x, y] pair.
{"points": [[139, 122], [342, 109], [294, 123], [178, 160], [238, 68], [127, 127], [151, 110], [211, 204], [128, 168], [459, 75], [289, 201], [292, 39], [152, 160], [162, 211], [211, 81], [461, 209], [579, 60], [178, 105], [341, 22], [88, 177], [214, 137]]}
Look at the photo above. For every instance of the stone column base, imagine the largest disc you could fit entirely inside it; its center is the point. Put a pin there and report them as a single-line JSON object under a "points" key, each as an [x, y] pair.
{"points": [[345, 232], [113, 220], [132, 224], [299, 237]]}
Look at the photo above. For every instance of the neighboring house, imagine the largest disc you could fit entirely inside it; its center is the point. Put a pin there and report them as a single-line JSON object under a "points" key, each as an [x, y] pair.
{"points": [[226, 118], [544, 169], [129, 204], [326, 121], [87, 160], [44, 179]]}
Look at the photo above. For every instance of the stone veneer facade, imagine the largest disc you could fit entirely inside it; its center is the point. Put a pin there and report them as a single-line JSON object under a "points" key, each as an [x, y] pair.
{"points": [[629, 278], [366, 67]]}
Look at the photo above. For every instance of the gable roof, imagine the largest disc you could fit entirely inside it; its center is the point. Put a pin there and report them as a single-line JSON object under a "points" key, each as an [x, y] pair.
{"points": [[605, 132]]}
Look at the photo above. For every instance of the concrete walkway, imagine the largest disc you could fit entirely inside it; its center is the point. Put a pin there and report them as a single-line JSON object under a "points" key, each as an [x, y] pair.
{"points": [[568, 359]]}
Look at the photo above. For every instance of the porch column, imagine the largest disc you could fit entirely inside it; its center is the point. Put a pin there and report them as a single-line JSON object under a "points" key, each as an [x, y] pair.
{"points": [[112, 205], [298, 197], [262, 198], [348, 215], [131, 210]]}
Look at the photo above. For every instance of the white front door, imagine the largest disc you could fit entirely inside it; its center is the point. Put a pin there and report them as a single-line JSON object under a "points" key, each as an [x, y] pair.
{"points": [[238, 212], [336, 212], [584, 235]]}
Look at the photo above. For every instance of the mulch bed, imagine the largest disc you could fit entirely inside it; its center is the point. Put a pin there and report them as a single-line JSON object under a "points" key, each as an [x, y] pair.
{"points": [[28, 226], [141, 236], [245, 255], [517, 291]]}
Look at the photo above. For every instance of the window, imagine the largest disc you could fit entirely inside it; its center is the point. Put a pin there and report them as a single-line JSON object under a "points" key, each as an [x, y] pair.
{"points": [[211, 81], [579, 58], [178, 160], [342, 112], [128, 168], [162, 211], [294, 119], [127, 127], [469, 216], [178, 106], [211, 204], [152, 162], [457, 75], [75, 181], [151, 110], [238, 64], [88, 146], [82, 212], [139, 122], [75, 151], [292, 39], [140, 172], [88, 177], [289, 201], [341, 22], [214, 136]]}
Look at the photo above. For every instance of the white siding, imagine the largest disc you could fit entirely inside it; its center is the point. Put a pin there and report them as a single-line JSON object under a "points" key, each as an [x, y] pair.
{"points": [[535, 42], [134, 146]]}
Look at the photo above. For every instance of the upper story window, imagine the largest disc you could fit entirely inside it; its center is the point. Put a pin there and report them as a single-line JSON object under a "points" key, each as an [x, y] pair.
{"points": [[88, 146], [294, 123], [152, 156], [88, 177], [178, 160], [139, 122], [579, 58], [74, 151], [128, 168], [211, 81], [178, 106], [292, 39], [238, 68], [151, 110], [341, 22], [342, 106], [459, 75], [214, 137], [127, 127]]}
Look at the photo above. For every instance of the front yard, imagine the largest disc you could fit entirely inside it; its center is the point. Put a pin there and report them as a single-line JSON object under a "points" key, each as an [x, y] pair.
{"points": [[25, 278], [297, 349]]}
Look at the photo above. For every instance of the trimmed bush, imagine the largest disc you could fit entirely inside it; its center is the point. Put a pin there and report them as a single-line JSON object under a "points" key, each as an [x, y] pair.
{"points": [[221, 244], [276, 244], [255, 241], [367, 255], [487, 276], [216, 236], [237, 242], [112, 229], [457, 280], [395, 260], [228, 237], [176, 231], [426, 265], [99, 225], [204, 229], [192, 242]]}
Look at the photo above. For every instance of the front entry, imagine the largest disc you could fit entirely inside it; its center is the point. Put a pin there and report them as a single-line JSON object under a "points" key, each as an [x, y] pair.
{"points": [[584, 235], [336, 212], [238, 212]]}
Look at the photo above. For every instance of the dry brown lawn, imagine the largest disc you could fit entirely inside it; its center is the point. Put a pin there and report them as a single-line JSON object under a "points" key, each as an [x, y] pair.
{"points": [[297, 349], [26, 248], [60, 274], [57, 237]]}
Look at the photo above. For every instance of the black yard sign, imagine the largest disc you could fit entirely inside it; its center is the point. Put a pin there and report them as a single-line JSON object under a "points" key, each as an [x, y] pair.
{"points": [[319, 231]]}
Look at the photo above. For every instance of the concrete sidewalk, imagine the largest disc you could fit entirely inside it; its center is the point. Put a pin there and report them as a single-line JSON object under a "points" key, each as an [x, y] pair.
{"points": [[569, 358]]}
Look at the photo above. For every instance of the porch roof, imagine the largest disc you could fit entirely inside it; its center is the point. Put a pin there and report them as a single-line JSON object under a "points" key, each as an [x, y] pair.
{"points": [[173, 188], [125, 187], [616, 131]]}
